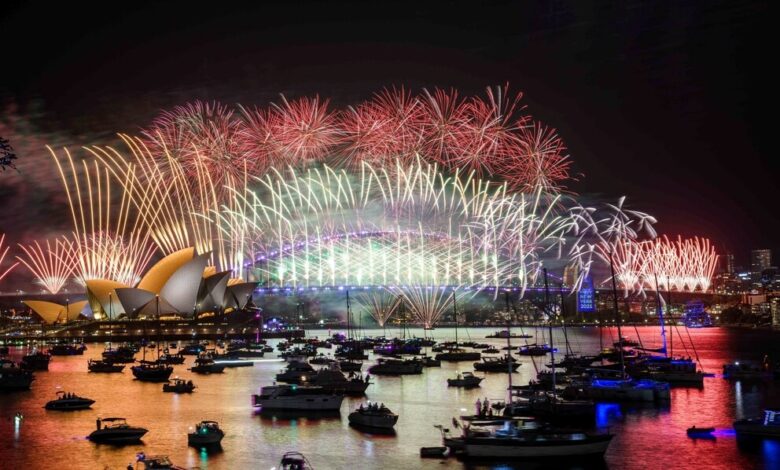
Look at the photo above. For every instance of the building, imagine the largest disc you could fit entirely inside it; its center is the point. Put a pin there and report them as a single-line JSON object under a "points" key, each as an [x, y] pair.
{"points": [[728, 261], [760, 260]]}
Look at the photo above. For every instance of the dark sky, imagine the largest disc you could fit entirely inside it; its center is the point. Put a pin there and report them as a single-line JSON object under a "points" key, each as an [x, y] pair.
{"points": [[666, 102]]}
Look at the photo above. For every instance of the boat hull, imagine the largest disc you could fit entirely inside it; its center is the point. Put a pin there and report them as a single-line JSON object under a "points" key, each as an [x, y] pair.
{"points": [[308, 403], [484, 448]]}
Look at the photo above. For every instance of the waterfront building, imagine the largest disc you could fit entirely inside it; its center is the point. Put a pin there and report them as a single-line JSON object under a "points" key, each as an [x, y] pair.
{"points": [[760, 260]]}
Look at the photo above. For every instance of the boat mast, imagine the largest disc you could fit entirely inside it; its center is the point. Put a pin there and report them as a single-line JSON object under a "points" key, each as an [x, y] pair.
{"points": [[617, 315], [455, 312], [660, 312], [550, 320], [671, 318], [349, 315], [509, 345], [159, 337], [563, 326]]}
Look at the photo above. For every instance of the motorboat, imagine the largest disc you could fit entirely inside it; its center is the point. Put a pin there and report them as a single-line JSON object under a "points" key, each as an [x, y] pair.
{"points": [[116, 431], [178, 385], [104, 366], [296, 397], [677, 371], [767, 426], [205, 364], [349, 365], [747, 370], [497, 364], [294, 461], [457, 355], [373, 416], [491, 350], [67, 350], [68, 402], [465, 379], [700, 432], [396, 367], [295, 371], [206, 433], [550, 406], [621, 389], [36, 360], [171, 359], [192, 349], [321, 360], [511, 441], [13, 377], [157, 462], [152, 372], [429, 361]]}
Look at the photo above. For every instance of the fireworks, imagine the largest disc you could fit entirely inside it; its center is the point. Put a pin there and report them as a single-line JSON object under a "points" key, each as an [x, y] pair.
{"points": [[683, 264], [427, 303], [380, 305], [3, 253], [107, 243], [51, 265]]}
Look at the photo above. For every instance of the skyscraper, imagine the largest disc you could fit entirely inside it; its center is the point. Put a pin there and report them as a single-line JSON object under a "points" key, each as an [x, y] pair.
{"points": [[728, 263], [759, 261]]}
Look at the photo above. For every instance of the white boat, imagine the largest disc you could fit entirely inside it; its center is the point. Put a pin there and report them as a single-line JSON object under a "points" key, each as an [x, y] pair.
{"points": [[295, 371], [296, 397], [373, 416]]}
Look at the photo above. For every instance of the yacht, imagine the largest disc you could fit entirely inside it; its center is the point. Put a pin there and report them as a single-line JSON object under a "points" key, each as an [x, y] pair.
{"points": [[534, 350], [747, 370], [179, 386], [157, 462], [206, 433], [373, 416], [122, 354], [12, 377], [333, 380], [116, 431], [497, 364], [296, 397], [428, 361], [67, 350], [458, 354], [205, 364], [504, 334], [396, 367], [678, 371], [69, 402], [152, 372], [511, 441], [465, 379], [633, 390], [104, 366], [36, 360], [171, 359], [768, 426], [295, 371]]}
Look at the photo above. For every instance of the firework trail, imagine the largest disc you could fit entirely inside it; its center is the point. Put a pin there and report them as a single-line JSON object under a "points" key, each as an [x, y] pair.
{"points": [[51, 265], [3, 253], [381, 305]]}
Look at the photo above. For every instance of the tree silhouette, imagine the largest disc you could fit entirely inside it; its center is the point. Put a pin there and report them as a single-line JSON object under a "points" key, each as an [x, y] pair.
{"points": [[7, 155]]}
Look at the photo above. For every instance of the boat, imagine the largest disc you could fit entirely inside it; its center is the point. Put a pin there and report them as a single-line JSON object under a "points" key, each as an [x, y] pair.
{"points": [[171, 359], [429, 361], [511, 441], [333, 380], [13, 377], [747, 370], [504, 334], [677, 371], [497, 364], [117, 431], [192, 349], [767, 426], [152, 372], [465, 379], [396, 367], [294, 461], [104, 366], [491, 350], [67, 350], [205, 364], [179, 386], [457, 355], [373, 416], [122, 354], [295, 371], [620, 389], [157, 462], [296, 397], [534, 350], [321, 360], [207, 433], [705, 432], [36, 360], [548, 405], [68, 402], [624, 342]]}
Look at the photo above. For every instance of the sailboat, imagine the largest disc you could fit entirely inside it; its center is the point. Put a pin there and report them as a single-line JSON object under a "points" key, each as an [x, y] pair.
{"points": [[455, 353], [153, 371]]}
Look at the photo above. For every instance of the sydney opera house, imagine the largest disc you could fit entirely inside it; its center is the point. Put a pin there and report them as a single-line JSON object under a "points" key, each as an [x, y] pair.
{"points": [[181, 285]]}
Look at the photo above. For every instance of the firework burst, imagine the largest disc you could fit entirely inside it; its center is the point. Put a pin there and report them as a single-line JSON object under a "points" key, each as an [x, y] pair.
{"points": [[3, 252], [381, 305], [51, 265]]}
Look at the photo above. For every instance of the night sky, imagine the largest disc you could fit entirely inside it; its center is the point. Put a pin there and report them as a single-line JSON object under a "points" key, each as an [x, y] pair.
{"points": [[666, 102]]}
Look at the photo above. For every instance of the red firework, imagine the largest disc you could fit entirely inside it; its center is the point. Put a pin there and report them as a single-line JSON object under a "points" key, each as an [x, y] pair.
{"points": [[304, 129], [387, 127], [445, 116], [200, 135], [490, 133], [543, 162]]}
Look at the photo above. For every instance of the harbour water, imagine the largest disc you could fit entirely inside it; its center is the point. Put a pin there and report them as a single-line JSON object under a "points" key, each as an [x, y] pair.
{"points": [[647, 437]]}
